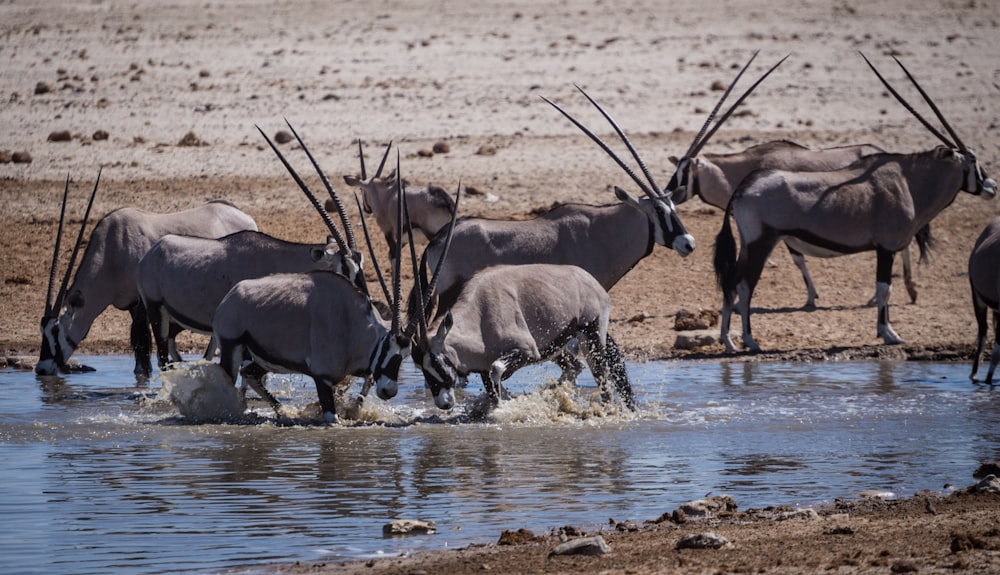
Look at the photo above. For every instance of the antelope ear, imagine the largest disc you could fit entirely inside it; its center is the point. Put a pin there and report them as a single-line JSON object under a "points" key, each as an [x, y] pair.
{"points": [[674, 160], [352, 181], [437, 342], [626, 197]]}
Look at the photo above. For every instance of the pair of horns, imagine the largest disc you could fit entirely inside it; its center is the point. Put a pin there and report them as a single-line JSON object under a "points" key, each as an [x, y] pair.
{"points": [[52, 307], [702, 137], [957, 144], [395, 298], [348, 245], [653, 190], [378, 172]]}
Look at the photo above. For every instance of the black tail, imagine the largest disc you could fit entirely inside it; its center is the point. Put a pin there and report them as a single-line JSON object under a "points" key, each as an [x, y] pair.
{"points": [[926, 242], [725, 258]]}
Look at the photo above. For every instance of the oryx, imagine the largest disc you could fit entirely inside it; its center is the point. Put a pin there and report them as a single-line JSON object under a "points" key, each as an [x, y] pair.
{"points": [[319, 324], [877, 203], [106, 275], [183, 279], [429, 208], [713, 177], [507, 317], [984, 278]]}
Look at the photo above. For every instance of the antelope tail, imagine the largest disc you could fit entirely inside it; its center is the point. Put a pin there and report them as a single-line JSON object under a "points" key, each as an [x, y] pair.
{"points": [[725, 258]]}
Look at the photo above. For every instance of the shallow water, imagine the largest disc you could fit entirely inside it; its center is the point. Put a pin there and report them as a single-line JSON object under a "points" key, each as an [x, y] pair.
{"points": [[100, 476]]}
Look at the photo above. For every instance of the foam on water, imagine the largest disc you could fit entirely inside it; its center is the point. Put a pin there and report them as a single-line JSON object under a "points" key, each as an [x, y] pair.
{"points": [[202, 392]]}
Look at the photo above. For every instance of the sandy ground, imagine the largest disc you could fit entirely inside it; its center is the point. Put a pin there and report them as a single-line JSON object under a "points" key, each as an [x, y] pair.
{"points": [[133, 84]]}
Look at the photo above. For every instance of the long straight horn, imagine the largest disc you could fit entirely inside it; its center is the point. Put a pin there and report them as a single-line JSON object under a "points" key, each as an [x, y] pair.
{"points": [[371, 252], [76, 246], [937, 112], [397, 290], [642, 185], [344, 221], [312, 198], [907, 105], [385, 155], [55, 252], [729, 112], [628, 143], [420, 321], [361, 156], [708, 121]]}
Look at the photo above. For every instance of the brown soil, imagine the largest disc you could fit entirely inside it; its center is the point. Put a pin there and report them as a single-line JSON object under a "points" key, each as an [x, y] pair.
{"points": [[165, 97]]}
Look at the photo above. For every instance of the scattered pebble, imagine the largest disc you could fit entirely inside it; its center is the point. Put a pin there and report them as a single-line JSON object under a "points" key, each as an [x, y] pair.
{"points": [[486, 150], [709, 506], [692, 340], [409, 527], [441, 148], [100, 135], [707, 540], [687, 320], [42, 88], [283, 137], [191, 139], [425, 153], [518, 537], [60, 136], [21, 158], [583, 546]]}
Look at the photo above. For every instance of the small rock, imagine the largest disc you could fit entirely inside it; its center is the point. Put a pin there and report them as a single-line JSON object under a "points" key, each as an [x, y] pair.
{"points": [[805, 514], [474, 191], [584, 546], [718, 86], [518, 537], [687, 320], [100, 135], [283, 137], [5, 157], [486, 150], [904, 566], [626, 526], [21, 158], [60, 136], [425, 153], [707, 540], [441, 148], [409, 527], [709, 506], [191, 139], [692, 341], [42, 88], [876, 494]]}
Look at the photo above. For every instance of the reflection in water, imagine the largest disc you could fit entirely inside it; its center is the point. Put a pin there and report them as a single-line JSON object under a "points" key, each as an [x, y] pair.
{"points": [[105, 478]]}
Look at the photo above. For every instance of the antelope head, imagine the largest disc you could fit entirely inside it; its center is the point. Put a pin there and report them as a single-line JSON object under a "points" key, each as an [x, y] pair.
{"points": [[351, 260], [976, 181], [365, 183], [439, 375], [681, 180], [56, 347], [658, 207]]}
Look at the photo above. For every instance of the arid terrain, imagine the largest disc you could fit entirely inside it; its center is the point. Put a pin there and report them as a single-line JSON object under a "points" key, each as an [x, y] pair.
{"points": [[165, 97]]}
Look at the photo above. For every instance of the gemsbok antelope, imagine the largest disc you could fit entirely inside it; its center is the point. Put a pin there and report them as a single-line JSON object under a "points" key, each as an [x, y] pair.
{"points": [[183, 279], [429, 208], [713, 177], [877, 203], [318, 324], [106, 275], [984, 278], [507, 317]]}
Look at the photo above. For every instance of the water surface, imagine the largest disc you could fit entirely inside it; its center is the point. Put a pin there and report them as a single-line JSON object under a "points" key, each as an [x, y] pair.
{"points": [[101, 476]]}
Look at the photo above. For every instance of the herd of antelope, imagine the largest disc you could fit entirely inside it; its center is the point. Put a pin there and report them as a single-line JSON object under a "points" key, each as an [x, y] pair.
{"points": [[491, 296]]}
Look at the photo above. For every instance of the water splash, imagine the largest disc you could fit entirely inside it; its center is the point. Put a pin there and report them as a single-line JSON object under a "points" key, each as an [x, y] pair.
{"points": [[202, 392]]}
